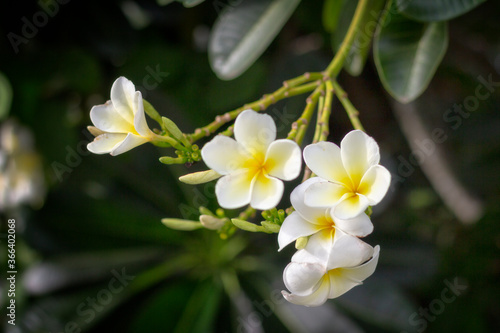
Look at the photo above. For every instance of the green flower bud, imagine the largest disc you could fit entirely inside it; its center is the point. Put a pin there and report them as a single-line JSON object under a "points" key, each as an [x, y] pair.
{"points": [[270, 226], [301, 243], [247, 226], [199, 177], [179, 224]]}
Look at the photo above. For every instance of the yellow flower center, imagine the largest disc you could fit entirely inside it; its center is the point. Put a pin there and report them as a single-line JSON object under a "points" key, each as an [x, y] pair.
{"points": [[334, 273], [326, 227], [258, 166]]}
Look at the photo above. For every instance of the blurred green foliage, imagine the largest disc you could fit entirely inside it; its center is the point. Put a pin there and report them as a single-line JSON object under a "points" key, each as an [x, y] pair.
{"points": [[102, 214]]}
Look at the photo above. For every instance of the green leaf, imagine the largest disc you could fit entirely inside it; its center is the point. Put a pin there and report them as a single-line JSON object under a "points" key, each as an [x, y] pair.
{"points": [[5, 96], [243, 32], [191, 3], [202, 305], [331, 14], [180, 224], [356, 58], [407, 54], [162, 309], [164, 2], [435, 10]]}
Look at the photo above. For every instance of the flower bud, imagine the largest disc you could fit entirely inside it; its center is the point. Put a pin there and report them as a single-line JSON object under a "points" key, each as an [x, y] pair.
{"points": [[199, 177], [180, 224], [211, 222]]}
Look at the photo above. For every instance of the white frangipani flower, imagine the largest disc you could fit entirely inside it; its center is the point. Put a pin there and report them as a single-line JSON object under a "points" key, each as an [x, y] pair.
{"points": [[311, 282], [21, 174], [355, 180], [253, 163], [120, 124], [330, 238]]}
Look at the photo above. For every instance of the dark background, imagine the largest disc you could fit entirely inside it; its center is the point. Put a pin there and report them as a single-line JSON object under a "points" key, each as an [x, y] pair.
{"points": [[100, 217]]}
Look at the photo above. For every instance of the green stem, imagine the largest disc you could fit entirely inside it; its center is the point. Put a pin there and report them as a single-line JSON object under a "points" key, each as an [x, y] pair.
{"points": [[167, 139], [317, 130], [337, 63], [324, 123], [300, 126], [302, 89], [296, 86], [352, 112]]}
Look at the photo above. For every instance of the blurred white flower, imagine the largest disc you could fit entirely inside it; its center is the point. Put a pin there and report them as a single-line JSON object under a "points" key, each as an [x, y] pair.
{"points": [[253, 164], [330, 238], [120, 124], [353, 178], [21, 174], [312, 282]]}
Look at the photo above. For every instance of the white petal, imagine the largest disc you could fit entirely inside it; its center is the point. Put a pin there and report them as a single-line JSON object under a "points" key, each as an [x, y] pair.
{"points": [[317, 298], [95, 131], [324, 194], [131, 141], [323, 158], [339, 284], [297, 197], [294, 227], [359, 226], [350, 207], [284, 159], [224, 155], [234, 190], [140, 124], [359, 152], [320, 246], [344, 279], [302, 278], [304, 256], [348, 251], [362, 272], [107, 119], [375, 183], [254, 131], [266, 192], [104, 143], [122, 97]]}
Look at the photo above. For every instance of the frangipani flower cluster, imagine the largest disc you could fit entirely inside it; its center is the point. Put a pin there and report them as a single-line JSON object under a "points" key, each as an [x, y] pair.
{"points": [[330, 210], [329, 214]]}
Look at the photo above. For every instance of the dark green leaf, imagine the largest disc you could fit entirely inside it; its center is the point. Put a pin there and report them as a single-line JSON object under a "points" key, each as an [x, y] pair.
{"points": [[435, 10], [191, 3], [163, 309], [331, 14], [243, 32], [203, 306], [164, 2], [407, 54], [5, 96]]}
